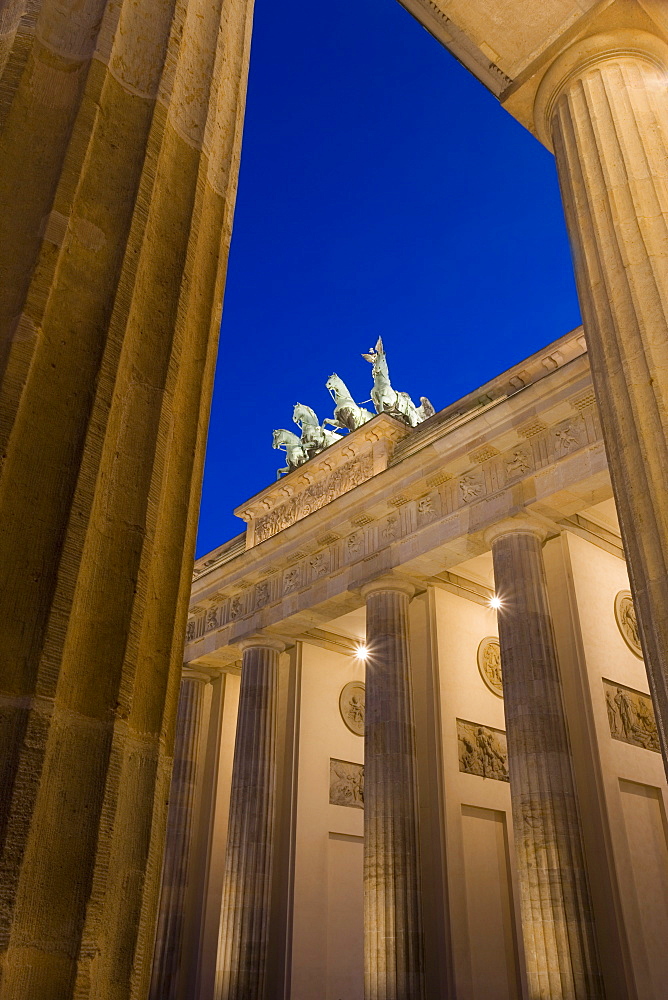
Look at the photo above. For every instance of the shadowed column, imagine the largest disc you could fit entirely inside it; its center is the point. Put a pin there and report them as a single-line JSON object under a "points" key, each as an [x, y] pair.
{"points": [[121, 125], [603, 104], [393, 955], [244, 932], [178, 846], [557, 921]]}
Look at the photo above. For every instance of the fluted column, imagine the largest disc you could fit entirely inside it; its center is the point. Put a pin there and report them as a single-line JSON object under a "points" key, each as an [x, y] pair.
{"points": [[178, 847], [557, 920], [244, 931], [393, 944], [121, 124], [604, 106]]}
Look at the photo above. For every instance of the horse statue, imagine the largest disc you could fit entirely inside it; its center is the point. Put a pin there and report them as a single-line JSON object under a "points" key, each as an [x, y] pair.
{"points": [[315, 438], [347, 414], [388, 400], [295, 453]]}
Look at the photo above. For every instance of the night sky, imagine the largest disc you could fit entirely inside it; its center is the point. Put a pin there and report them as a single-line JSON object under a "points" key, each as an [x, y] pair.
{"points": [[384, 191]]}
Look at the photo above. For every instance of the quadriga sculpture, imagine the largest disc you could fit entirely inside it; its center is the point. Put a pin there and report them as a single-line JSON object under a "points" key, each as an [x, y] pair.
{"points": [[348, 416]]}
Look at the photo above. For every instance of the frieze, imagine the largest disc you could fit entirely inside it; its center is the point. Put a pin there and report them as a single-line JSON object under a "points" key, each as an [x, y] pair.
{"points": [[338, 482], [390, 530], [471, 487], [567, 438], [427, 508], [518, 462]]}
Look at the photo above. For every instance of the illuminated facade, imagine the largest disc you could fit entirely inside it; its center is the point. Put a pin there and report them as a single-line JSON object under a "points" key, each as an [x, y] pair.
{"points": [[477, 558]]}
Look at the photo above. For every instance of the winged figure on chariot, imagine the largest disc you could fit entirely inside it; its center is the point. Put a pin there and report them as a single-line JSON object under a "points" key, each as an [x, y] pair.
{"points": [[388, 400]]}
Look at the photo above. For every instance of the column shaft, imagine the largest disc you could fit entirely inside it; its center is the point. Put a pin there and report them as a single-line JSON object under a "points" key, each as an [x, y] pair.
{"points": [[609, 123], [165, 981], [121, 127], [393, 941], [557, 921], [245, 921]]}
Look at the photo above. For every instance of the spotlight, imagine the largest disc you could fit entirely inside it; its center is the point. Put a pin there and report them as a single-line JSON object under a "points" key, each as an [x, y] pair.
{"points": [[362, 652], [495, 602]]}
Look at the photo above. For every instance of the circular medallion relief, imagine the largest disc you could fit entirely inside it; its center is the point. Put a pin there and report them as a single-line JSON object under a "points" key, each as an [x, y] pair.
{"points": [[351, 706], [489, 664], [627, 623]]}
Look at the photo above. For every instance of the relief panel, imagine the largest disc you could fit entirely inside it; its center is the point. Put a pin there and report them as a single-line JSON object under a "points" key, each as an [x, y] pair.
{"points": [[631, 716], [482, 750], [346, 783]]}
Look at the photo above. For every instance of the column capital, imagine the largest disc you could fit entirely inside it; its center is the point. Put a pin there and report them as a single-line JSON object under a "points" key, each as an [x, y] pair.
{"points": [[388, 583], [586, 54], [263, 641], [196, 674], [514, 525]]}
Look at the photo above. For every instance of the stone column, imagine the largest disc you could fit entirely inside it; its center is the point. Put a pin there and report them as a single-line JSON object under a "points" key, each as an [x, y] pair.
{"points": [[557, 920], [603, 105], [245, 919], [121, 127], [393, 943], [165, 981]]}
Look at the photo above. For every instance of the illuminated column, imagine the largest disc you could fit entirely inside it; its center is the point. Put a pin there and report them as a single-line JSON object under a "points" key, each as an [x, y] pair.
{"points": [[557, 920], [180, 827], [604, 106], [393, 955], [121, 127], [244, 932]]}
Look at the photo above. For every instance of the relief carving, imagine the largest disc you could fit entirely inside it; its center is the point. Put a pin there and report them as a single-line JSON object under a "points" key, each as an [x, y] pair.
{"points": [[566, 439], [236, 607], [482, 750], [519, 463], [631, 716], [211, 619], [262, 594], [426, 510], [489, 664], [319, 563], [291, 579], [351, 706], [190, 631], [314, 497], [471, 487], [390, 530], [627, 621], [354, 544], [346, 783]]}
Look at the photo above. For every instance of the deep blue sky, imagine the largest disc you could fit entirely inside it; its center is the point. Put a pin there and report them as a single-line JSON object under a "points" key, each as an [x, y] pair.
{"points": [[383, 190]]}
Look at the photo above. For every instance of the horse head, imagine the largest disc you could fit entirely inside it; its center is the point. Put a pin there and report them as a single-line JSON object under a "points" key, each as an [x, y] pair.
{"points": [[304, 415], [334, 385], [284, 438]]}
